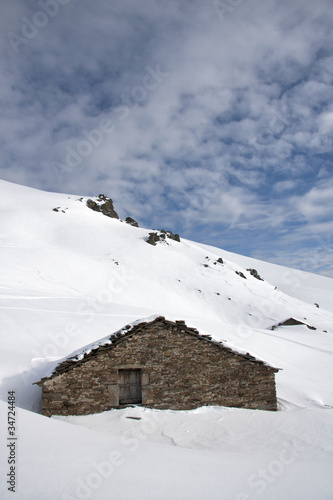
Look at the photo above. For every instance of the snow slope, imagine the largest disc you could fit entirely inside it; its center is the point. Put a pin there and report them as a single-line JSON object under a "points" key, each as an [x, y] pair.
{"points": [[72, 277]]}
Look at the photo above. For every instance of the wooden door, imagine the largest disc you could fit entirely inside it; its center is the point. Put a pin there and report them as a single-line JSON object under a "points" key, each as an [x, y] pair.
{"points": [[130, 387]]}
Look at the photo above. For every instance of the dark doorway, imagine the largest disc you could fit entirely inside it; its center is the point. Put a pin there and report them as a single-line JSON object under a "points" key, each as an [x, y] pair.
{"points": [[130, 387]]}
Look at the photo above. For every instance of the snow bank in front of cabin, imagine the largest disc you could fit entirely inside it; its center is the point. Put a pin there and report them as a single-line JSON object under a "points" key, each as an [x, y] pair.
{"points": [[205, 453]]}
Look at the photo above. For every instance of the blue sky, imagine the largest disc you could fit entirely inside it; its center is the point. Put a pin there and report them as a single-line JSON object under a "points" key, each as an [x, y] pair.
{"points": [[212, 119]]}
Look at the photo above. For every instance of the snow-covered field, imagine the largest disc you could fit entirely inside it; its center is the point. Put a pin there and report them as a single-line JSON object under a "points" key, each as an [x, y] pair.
{"points": [[71, 277]]}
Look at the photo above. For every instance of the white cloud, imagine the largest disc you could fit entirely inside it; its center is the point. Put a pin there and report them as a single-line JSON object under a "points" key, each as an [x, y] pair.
{"points": [[326, 122], [284, 186]]}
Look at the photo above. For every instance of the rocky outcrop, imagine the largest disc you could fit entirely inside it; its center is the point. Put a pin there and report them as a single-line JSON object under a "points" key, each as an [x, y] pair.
{"points": [[131, 221], [255, 274], [162, 236], [104, 205], [153, 238]]}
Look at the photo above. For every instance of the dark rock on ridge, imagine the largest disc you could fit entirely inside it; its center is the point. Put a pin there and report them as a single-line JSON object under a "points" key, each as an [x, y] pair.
{"points": [[255, 274], [162, 235], [103, 204], [131, 221]]}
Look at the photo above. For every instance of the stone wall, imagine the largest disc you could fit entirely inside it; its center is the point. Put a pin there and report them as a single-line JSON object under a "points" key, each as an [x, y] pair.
{"points": [[179, 371]]}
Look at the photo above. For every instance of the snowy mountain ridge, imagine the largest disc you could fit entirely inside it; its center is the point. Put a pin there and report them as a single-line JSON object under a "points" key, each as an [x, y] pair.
{"points": [[71, 277]]}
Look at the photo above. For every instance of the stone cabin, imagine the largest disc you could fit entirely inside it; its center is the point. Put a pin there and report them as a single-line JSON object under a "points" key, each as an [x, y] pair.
{"points": [[158, 364]]}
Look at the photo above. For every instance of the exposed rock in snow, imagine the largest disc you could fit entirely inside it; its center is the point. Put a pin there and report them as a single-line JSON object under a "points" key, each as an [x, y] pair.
{"points": [[162, 235], [131, 221], [103, 204]]}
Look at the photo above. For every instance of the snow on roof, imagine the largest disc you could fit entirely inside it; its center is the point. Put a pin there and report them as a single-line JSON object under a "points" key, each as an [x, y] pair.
{"points": [[292, 322], [80, 354]]}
